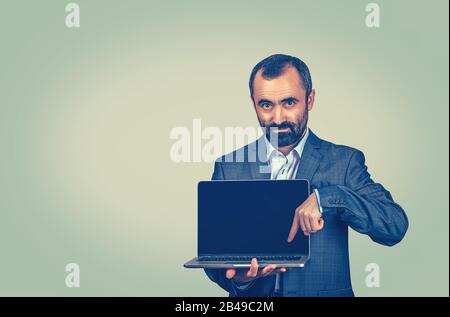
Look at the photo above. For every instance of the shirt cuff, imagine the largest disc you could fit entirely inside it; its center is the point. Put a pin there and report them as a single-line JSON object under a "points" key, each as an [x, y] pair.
{"points": [[318, 200]]}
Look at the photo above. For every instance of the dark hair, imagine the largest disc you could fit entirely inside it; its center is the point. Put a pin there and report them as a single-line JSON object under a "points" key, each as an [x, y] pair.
{"points": [[273, 66]]}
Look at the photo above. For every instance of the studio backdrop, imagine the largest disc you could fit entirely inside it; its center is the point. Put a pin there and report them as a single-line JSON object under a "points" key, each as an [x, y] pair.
{"points": [[95, 97]]}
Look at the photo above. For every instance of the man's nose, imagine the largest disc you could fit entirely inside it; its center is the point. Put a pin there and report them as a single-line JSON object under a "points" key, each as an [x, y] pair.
{"points": [[278, 116]]}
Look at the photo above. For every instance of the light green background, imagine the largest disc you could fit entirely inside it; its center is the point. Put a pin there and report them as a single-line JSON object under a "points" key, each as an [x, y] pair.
{"points": [[85, 117]]}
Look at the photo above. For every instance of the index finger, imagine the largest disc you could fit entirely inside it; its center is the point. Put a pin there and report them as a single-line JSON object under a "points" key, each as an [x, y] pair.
{"points": [[294, 228]]}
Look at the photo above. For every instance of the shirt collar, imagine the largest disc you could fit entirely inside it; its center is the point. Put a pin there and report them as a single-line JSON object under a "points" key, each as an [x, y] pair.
{"points": [[298, 148]]}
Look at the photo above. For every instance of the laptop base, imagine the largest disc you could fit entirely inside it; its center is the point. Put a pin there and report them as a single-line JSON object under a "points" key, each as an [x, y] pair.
{"points": [[195, 263]]}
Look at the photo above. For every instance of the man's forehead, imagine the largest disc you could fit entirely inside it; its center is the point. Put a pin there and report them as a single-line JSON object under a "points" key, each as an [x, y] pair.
{"points": [[289, 82], [276, 94]]}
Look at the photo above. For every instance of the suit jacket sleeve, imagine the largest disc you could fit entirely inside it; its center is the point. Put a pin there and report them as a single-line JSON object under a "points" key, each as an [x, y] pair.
{"points": [[259, 287], [365, 205]]}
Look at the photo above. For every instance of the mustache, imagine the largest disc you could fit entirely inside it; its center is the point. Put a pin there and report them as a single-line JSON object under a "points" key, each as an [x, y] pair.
{"points": [[281, 126]]}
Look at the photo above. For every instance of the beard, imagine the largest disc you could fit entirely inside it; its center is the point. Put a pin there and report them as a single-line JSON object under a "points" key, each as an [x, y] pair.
{"points": [[292, 136]]}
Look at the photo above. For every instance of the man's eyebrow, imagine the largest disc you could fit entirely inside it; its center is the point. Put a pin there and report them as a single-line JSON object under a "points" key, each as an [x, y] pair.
{"points": [[291, 98], [264, 101]]}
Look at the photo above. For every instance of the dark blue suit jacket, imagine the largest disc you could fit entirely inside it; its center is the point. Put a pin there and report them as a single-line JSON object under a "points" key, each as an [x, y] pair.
{"points": [[349, 197]]}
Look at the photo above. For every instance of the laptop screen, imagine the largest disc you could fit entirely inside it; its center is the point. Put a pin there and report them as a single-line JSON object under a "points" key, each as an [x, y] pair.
{"points": [[250, 217]]}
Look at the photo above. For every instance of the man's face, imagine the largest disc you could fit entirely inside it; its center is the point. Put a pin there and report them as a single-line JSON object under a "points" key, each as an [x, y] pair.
{"points": [[281, 106]]}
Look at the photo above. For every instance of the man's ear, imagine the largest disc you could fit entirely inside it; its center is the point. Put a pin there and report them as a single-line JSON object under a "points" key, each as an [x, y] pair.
{"points": [[311, 98]]}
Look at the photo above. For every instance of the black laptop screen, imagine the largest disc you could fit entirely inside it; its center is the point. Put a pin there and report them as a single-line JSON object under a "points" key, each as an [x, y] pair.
{"points": [[250, 217]]}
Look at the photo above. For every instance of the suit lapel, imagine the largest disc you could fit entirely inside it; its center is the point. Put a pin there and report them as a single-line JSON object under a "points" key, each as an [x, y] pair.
{"points": [[259, 169], [310, 159]]}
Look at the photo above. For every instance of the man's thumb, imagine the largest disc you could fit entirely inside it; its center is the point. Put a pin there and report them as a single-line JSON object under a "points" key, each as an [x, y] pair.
{"points": [[230, 273]]}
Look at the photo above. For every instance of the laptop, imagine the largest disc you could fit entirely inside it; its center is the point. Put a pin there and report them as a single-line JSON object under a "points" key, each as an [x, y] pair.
{"points": [[244, 219]]}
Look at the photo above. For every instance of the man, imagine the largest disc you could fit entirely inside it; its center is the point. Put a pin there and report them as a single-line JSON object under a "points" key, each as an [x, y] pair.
{"points": [[343, 192]]}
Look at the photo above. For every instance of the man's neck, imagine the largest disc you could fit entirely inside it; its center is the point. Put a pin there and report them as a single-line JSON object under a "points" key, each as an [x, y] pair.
{"points": [[286, 149]]}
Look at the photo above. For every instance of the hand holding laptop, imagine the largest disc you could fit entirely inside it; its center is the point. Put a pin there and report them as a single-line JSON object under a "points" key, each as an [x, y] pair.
{"points": [[243, 276]]}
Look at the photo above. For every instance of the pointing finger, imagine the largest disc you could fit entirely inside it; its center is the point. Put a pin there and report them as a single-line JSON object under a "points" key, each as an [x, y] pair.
{"points": [[294, 229]]}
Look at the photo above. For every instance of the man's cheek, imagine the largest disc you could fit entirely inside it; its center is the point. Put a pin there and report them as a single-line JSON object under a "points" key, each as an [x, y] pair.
{"points": [[267, 122]]}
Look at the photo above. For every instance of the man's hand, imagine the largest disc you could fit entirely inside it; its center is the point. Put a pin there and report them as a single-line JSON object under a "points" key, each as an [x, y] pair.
{"points": [[243, 276], [307, 217]]}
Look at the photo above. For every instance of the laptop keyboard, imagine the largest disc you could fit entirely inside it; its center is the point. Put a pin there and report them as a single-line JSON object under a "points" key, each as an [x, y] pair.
{"points": [[249, 258]]}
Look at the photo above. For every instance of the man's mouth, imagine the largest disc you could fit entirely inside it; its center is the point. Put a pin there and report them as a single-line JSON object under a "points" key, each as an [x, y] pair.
{"points": [[281, 130]]}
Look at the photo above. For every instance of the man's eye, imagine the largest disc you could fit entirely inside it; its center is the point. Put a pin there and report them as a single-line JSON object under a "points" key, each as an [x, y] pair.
{"points": [[291, 102], [266, 105]]}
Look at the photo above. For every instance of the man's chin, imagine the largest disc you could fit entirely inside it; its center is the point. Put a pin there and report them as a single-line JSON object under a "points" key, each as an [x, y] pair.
{"points": [[283, 142], [286, 144]]}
